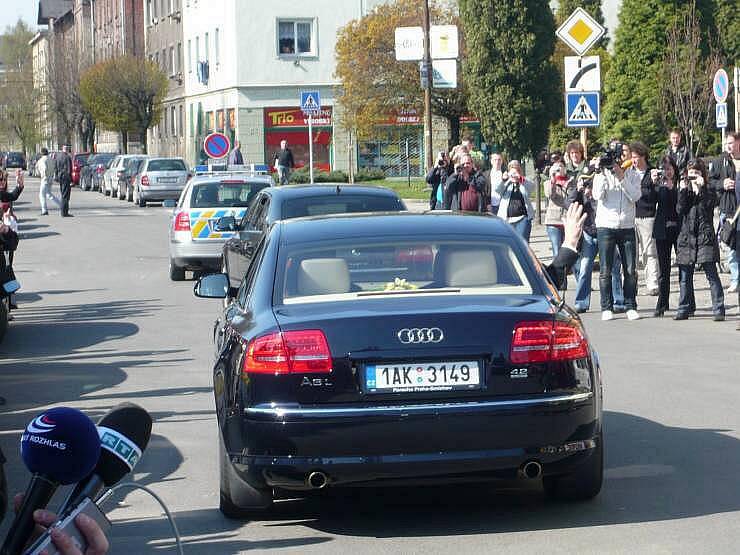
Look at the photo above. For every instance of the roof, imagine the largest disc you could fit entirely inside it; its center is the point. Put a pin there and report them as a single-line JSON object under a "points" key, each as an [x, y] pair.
{"points": [[301, 191], [53, 9], [390, 224]]}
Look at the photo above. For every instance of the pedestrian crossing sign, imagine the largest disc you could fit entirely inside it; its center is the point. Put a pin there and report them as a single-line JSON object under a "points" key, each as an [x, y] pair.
{"points": [[310, 102], [582, 109]]}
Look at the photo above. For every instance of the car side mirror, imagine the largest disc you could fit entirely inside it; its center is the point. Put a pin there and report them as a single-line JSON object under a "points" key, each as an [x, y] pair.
{"points": [[169, 203], [212, 286], [226, 223]]}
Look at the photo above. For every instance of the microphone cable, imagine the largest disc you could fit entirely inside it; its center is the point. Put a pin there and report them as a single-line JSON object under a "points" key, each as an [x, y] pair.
{"points": [[133, 485]]}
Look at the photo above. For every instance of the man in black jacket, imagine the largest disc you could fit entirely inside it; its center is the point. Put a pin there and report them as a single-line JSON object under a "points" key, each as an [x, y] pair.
{"points": [[724, 180], [677, 151], [64, 176], [464, 188], [437, 177]]}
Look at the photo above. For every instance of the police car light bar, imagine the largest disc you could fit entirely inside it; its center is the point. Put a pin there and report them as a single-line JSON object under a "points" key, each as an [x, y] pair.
{"points": [[251, 169]]}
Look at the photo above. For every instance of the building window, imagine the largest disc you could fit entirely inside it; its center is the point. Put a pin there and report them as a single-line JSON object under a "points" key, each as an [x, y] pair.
{"points": [[180, 122], [178, 65], [164, 121], [149, 15], [173, 121], [171, 60], [197, 49], [295, 37], [190, 57], [153, 11], [205, 47], [216, 47], [209, 122]]}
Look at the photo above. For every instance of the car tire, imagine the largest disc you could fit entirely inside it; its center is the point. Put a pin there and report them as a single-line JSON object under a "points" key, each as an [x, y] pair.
{"points": [[238, 500], [129, 194], [121, 193], [176, 272], [140, 202], [582, 484]]}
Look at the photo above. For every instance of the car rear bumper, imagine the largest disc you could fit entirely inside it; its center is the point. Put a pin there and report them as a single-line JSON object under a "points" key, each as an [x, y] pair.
{"points": [[199, 255], [280, 447], [150, 194]]}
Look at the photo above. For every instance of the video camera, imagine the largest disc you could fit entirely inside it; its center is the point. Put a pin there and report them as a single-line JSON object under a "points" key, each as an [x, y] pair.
{"points": [[612, 155]]}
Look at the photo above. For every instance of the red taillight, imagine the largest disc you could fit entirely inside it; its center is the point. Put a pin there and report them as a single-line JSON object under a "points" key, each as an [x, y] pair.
{"points": [[289, 352], [100, 169], [145, 181], [182, 221], [547, 341]]}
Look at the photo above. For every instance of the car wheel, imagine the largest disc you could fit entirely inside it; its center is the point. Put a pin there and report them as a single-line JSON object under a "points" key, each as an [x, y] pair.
{"points": [[238, 500], [129, 194], [121, 193], [582, 484], [176, 273]]}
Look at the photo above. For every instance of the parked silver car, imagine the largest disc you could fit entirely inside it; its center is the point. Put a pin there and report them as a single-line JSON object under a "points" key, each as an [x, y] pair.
{"points": [[160, 179], [114, 172], [126, 178]]}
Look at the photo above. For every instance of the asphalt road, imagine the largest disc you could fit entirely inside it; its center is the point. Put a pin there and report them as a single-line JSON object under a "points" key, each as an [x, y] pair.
{"points": [[99, 323]]}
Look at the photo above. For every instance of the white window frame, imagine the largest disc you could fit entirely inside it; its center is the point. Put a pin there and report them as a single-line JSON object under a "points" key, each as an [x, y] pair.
{"points": [[190, 57], [173, 120], [178, 65], [313, 53], [205, 47], [172, 68], [216, 47]]}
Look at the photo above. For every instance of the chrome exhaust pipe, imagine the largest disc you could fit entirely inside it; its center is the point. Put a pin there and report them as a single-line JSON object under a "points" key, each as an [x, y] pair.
{"points": [[531, 470], [317, 480]]}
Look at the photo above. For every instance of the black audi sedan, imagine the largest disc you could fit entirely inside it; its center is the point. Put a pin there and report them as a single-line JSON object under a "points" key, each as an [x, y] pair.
{"points": [[295, 201], [400, 349]]}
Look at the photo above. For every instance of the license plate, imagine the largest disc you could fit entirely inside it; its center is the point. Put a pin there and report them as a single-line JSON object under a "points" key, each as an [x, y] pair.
{"points": [[422, 377], [166, 180]]}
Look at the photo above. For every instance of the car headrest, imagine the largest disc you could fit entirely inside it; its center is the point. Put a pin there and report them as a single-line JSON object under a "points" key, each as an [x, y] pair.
{"points": [[323, 276], [468, 267]]}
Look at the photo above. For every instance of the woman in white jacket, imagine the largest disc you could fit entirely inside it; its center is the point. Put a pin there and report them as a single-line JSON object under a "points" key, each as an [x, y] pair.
{"points": [[515, 207]]}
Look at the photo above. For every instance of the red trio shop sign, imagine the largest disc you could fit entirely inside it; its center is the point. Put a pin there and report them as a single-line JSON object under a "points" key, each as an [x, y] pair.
{"points": [[294, 117]]}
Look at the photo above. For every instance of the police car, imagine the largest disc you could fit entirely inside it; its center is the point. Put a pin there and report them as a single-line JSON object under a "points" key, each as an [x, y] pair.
{"points": [[211, 194]]}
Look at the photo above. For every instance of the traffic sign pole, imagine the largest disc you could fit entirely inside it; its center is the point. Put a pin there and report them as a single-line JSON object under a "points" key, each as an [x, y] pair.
{"points": [[310, 146]]}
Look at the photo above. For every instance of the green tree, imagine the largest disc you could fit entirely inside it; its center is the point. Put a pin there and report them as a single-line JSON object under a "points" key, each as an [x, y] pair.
{"points": [[17, 94], [512, 81], [374, 84], [124, 94], [726, 18]]}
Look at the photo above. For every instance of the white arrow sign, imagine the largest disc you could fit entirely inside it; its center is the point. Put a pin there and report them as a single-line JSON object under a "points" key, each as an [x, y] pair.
{"points": [[582, 74]]}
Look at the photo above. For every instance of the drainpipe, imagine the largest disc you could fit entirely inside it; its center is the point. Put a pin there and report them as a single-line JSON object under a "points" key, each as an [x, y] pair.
{"points": [[123, 29]]}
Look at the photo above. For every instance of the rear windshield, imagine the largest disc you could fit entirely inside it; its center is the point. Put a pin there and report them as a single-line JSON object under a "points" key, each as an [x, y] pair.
{"points": [[166, 166], [339, 204], [216, 193], [101, 158], [82, 157], [367, 269], [132, 163]]}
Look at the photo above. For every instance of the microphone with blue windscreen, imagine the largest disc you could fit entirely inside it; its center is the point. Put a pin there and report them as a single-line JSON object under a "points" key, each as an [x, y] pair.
{"points": [[60, 447]]}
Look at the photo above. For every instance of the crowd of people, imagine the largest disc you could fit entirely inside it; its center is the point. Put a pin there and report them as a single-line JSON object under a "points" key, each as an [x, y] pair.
{"points": [[637, 215]]}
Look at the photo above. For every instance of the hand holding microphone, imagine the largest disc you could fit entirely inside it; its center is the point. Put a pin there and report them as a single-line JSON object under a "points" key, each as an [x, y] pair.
{"points": [[61, 446]]}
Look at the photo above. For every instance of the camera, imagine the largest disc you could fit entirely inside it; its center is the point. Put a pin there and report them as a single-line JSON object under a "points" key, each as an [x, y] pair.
{"points": [[612, 155]]}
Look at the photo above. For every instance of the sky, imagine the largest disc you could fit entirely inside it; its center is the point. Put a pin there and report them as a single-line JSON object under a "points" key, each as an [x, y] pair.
{"points": [[28, 10], [11, 10]]}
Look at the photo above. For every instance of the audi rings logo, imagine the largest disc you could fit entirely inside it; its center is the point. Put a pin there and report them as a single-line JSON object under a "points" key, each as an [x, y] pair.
{"points": [[420, 335]]}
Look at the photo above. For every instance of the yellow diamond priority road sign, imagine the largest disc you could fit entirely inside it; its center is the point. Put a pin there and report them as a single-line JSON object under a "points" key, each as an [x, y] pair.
{"points": [[580, 31]]}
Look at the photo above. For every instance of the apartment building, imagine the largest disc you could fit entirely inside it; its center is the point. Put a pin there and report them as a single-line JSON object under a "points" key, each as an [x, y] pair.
{"points": [[163, 36], [246, 65]]}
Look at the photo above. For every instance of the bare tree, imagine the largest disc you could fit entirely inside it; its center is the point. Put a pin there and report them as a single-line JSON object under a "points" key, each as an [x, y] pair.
{"points": [[687, 76], [63, 69]]}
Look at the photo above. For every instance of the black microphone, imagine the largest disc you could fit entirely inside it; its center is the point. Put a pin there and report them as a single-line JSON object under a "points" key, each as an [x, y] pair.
{"points": [[124, 434], [60, 446]]}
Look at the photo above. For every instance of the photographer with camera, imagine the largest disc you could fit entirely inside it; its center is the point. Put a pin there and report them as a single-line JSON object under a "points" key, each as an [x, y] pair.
{"points": [[464, 188], [580, 191], [725, 180], [645, 215], [515, 207], [616, 195], [437, 177], [665, 228], [555, 191], [697, 241]]}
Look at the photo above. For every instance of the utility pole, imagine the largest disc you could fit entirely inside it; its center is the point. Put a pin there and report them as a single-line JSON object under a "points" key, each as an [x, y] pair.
{"points": [[427, 91]]}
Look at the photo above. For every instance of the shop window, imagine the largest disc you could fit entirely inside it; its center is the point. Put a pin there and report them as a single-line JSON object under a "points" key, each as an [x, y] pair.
{"points": [[209, 122], [295, 37]]}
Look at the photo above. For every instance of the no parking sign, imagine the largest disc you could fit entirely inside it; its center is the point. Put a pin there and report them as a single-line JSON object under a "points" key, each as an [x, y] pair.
{"points": [[216, 145]]}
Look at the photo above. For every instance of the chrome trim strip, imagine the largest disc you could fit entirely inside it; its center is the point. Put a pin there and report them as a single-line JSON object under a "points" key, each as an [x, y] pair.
{"points": [[404, 409]]}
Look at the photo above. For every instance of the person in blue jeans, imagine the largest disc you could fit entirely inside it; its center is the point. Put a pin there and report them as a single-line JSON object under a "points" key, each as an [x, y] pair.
{"points": [[616, 193], [580, 191]]}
